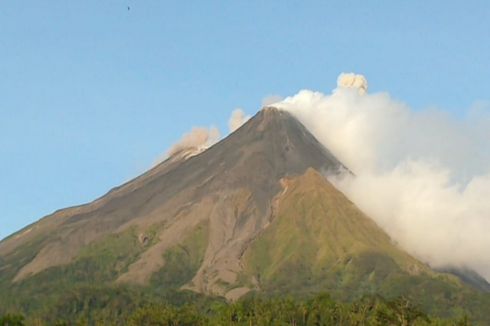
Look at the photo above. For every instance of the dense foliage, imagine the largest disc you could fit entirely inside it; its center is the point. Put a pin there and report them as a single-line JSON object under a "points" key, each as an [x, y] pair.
{"points": [[319, 310], [84, 293]]}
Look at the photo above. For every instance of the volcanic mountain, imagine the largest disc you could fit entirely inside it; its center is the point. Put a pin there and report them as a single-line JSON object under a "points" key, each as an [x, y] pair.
{"points": [[252, 214]]}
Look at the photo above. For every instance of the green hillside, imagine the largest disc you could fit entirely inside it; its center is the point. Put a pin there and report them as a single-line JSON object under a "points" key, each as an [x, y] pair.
{"points": [[317, 242]]}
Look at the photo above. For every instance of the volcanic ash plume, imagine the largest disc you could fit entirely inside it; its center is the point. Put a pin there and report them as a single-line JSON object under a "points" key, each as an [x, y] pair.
{"points": [[237, 119], [423, 176], [198, 139], [201, 138], [350, 80]]}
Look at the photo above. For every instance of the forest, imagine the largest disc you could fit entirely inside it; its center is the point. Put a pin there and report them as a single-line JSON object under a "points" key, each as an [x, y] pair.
{"points": [[318, 310]]}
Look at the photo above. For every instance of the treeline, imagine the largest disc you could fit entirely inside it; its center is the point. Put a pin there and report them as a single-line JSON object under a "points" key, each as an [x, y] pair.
{"points": [[320, 310]]}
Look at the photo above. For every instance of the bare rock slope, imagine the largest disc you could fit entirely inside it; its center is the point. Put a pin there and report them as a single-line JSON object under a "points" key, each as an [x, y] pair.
{"points": [[253, 212], [229, 186]]}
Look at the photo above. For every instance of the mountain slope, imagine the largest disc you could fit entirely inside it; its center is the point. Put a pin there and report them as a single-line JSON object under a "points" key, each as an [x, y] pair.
{"points": [[317, 234], [180, 194], [252, 214], [320, 241]]}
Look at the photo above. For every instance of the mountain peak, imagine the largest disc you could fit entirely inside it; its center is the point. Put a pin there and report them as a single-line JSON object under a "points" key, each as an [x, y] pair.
{"points": [[248, 163], [269, 115], [251, 213], [270, 109]]}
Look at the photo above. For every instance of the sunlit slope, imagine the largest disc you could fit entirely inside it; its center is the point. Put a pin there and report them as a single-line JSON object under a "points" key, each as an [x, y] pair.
{"points": [[320, 241], [317, 232]]}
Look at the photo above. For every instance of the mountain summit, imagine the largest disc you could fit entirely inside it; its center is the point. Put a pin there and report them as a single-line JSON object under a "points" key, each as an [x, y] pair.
{"points": [[253, 213], [229, 188]]}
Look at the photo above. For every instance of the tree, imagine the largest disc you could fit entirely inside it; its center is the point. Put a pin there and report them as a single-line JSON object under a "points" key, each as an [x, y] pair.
{"points": [[12, 320], [399, 312]]}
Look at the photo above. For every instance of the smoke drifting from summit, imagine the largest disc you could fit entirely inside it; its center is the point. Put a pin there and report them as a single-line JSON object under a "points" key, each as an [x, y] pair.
{"points": [[423, 176]]}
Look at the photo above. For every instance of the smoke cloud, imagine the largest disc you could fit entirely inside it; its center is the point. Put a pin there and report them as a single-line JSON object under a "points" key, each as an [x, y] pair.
{"points": [[237, 119], [199, 138], [350, 80], [423, 176]]}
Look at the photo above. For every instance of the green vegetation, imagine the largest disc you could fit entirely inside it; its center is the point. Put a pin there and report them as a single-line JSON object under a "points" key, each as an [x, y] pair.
{"points": [[319, 310], [11, 320], [183, 260], [317, 242], [85, 290], [319, 239], [99, 263]]}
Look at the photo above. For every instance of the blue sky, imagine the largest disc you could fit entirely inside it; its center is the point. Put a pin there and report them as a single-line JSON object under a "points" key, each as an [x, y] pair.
{"points": [[91, 93]]}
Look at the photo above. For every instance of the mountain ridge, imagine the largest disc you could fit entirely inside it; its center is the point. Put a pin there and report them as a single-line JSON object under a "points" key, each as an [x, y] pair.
{"points": [[252, 214], [102, 208]]}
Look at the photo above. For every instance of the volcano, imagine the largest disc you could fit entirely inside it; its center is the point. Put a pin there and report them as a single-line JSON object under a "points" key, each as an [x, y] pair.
{"points": [[253, 214]]}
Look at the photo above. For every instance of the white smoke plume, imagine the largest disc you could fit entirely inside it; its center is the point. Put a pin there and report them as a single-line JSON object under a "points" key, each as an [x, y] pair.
{"points": [[237, 119], [423, 176], [199, 138]]}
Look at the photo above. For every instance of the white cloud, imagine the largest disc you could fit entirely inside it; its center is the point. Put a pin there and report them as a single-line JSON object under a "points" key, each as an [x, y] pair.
{"points": [[424, 176]]}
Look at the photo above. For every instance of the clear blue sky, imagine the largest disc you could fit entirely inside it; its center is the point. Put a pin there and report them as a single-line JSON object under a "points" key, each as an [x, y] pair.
{"points": [[91, 92]]}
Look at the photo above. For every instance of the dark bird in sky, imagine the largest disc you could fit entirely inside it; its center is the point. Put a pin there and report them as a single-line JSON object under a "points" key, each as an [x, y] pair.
{"points": [[129, 8]]}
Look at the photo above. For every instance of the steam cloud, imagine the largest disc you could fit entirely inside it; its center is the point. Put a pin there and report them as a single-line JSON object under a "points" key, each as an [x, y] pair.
{"points": [[423, 176], [237, 119]]}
